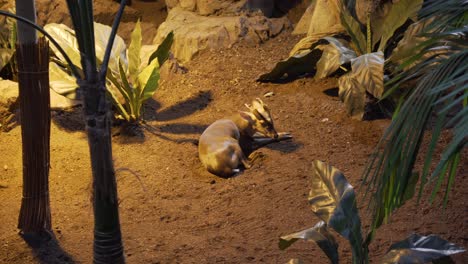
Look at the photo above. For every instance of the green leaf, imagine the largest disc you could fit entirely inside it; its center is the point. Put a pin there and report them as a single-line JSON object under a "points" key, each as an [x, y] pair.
{"points": [[134, 53], [420, 249], [333, 200], [353, 27], [119, 49], [410, 43], [318, 234], [148, 81], [162, 52], [384, 27], [368, 71], [334, 55], [353, 94], [66, 38], [62, 82], [120, 108]]}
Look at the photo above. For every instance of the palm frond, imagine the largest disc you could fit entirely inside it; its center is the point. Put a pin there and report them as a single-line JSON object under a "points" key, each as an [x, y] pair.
{"points": [[439, 94]]}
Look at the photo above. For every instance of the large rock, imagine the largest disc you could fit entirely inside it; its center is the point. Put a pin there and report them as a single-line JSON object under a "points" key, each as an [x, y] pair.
{"points": [[193, 33]]}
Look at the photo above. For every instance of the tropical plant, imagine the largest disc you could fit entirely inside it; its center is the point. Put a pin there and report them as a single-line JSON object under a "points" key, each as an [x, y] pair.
{"points": [[129, 84], [362, 59], [333, 200], [438, 101], [142, 82]]}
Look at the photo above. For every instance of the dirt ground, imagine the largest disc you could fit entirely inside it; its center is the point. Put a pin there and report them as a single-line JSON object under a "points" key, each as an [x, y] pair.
{"points": [[173, 211]]}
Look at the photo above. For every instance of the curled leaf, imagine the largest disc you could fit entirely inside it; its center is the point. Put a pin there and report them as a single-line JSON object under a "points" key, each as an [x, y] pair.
{"points": [[318, 234], [334, 55], [62, 82], [333, 200], [420, 249]]}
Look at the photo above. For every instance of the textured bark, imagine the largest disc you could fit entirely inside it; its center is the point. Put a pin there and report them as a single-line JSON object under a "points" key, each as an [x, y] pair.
{"points": [[108, 247], [33, 75]]}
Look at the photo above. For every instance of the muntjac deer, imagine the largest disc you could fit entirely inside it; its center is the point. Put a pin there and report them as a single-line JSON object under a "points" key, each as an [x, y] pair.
{"points": [[223, 145]]}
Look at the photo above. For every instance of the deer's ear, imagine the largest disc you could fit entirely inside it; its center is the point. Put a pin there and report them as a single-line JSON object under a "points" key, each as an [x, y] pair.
{"points": [[246, 116]]}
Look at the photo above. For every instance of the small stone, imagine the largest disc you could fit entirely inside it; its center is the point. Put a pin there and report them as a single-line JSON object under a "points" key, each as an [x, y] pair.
{"points": [[269, 94], [5, 167], [324, 120]]}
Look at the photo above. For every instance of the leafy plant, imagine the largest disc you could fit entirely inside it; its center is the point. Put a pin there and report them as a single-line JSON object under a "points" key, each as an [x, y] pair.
{"points": [[129, 84], [333, 200], [365, 53], [142, 82], [61, 80], [439, 100]]}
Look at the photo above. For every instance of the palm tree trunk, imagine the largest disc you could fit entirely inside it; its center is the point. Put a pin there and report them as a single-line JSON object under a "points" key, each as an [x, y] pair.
{"points": [[33, 80], [108, 247]]}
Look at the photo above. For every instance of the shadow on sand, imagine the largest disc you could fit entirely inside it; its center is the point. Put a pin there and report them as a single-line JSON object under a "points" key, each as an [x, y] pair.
{"points": [[46, 248]]}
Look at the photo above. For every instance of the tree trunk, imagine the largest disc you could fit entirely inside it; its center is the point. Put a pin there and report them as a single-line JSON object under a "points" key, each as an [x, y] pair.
{"points": [[108, 247], [33, 81]]}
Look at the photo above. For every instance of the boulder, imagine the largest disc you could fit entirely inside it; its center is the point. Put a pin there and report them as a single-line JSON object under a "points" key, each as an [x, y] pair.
{"points": [[193, 33]]}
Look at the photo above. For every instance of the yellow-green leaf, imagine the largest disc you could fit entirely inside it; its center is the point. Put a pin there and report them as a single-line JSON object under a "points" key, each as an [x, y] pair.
{"points": [[134, 60]]}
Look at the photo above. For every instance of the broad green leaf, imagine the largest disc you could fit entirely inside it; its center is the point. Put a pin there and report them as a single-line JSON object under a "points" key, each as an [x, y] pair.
{"points": [[368, 71], [5, 56], [118, 52], [333, 200], [147, 82], [420, 249], [399, 12], [120, 107], [318, 234], [134, 53], [353, 27], [65, 37], [334, 55], [410, 43], [62, 82], [353, 94], [162, 52]]}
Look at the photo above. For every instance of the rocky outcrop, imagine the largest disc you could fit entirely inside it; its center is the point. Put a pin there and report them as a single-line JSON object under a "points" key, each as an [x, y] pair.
{"points": [[193, 33], [208, 7]]}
